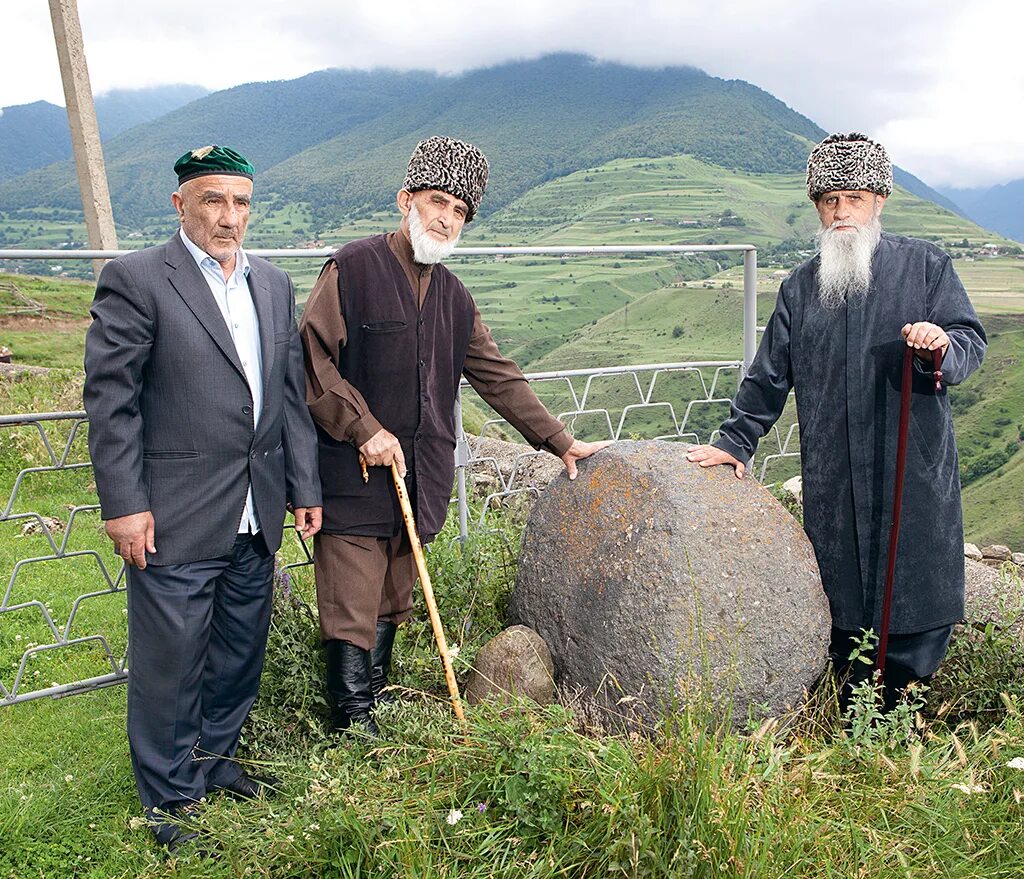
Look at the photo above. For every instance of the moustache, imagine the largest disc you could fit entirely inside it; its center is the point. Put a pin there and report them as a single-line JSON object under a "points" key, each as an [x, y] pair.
{"points": [[848, 224]]}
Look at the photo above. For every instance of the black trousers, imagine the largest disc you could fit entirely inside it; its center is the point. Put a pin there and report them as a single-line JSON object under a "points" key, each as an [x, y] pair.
{"points": [[197, 638], [908, 658]]}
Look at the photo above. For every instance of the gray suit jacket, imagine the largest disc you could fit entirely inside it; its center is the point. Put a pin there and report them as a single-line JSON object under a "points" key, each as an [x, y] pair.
{"points": [[170, 414]]}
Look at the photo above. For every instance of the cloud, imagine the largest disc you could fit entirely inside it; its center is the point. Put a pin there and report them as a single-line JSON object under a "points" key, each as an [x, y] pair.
{"points": [[938, 83]]}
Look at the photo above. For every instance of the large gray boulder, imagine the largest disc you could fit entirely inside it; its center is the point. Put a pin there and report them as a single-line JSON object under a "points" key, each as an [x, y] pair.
{"points": [[655, 581]]}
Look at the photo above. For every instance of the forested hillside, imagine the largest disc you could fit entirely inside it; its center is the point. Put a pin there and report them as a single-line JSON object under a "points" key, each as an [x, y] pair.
{"points": [[336, 142]]}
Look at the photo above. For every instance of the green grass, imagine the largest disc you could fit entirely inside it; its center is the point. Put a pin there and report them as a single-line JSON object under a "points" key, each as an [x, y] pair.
{"points": [[996, 285]]}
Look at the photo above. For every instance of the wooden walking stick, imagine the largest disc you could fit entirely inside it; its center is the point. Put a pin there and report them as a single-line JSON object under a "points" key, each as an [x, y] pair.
{"points": [[901, 460], [428, 592]]}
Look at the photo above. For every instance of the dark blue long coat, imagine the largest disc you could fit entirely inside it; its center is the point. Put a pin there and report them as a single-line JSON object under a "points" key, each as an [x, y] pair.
{"points": [[845, 366]]}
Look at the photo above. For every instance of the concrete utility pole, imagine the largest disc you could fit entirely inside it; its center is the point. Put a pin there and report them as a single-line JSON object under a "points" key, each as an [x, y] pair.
{"points": [[85, 132]]}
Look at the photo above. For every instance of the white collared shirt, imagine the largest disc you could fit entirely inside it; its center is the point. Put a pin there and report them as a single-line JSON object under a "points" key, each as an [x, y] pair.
{"points": [[235, 303]]}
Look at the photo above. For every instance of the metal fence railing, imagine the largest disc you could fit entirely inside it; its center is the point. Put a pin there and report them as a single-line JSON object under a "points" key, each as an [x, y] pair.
{"points": [[676, 401]]}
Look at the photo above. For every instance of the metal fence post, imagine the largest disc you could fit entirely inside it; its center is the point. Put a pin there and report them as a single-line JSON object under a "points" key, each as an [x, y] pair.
{"points": [[461, 463], [749, 308]]}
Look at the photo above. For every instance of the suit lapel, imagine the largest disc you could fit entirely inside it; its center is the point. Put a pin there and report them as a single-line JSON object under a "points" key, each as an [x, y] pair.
{"points": [[187, 279], [260, 291]]}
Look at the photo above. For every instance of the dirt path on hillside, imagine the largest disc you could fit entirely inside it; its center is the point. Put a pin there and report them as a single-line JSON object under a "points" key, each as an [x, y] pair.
{"points": [[33, 322]]}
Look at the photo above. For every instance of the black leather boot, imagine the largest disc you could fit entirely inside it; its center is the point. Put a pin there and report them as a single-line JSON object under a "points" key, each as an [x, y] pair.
{"points": [[348, 686], [380, 660]]}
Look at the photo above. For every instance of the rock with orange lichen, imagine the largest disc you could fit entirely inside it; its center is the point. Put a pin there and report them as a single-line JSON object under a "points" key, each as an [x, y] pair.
{"points": [[655, 581]]}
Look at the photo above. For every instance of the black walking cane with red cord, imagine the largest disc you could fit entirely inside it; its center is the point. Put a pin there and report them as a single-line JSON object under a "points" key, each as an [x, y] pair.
{"points": [[901, 460]]}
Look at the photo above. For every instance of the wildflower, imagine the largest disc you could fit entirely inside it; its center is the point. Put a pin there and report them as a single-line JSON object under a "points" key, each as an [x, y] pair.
{"points": [[453, 651], [69, 778], [454, 817], [481, 807], [1016, 763], [137, 823]]}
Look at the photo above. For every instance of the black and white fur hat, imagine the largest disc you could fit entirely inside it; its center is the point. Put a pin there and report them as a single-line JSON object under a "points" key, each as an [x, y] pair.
{"points": [[453, 166], [848, 161]]}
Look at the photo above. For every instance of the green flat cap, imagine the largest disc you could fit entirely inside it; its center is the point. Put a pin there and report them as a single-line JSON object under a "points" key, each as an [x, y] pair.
{"points": [[212, 160]]}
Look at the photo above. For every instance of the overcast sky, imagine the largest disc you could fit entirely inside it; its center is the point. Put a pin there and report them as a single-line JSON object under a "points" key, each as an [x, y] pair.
{"points": [[940, 84]]}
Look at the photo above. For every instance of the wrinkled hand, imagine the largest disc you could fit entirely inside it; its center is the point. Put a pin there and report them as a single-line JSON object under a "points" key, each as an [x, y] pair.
{"points": [[578, 451], [308, 521], [925, 337], [709, 456], [381, 449], [133, 537]]}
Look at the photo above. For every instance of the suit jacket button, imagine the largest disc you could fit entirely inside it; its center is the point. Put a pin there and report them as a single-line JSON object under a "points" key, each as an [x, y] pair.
{"points": [[253, 455], [247, 410]]}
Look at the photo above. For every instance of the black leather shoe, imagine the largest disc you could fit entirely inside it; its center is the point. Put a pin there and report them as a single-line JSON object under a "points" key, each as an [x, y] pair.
{"points": [[249, 787], [380, 661], [176, 841], [349, 689], [190, 845]]}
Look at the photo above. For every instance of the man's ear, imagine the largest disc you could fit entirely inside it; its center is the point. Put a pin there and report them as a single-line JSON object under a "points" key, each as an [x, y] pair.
{"points": [[178, 202], [404, 201], [879, 204]]}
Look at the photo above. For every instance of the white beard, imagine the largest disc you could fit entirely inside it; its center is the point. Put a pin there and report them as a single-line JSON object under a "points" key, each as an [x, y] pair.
{"points": [[844, 273], [427, 250]]}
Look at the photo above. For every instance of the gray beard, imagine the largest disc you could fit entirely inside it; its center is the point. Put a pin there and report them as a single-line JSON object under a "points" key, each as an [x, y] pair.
{"points": [[844, 272], [425, 250]]}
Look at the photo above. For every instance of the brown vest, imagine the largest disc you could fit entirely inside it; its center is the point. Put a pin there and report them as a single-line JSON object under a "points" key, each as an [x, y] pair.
{"points": [[406, 362]]}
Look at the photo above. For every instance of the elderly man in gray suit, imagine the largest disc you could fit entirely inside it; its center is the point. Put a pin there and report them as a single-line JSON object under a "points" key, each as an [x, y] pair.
{"points": [[200, 437]]}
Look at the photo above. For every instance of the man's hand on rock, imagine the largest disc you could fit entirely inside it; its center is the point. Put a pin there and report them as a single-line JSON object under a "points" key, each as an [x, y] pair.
{"points": [[578, 451], [381, 449], [133, 537], [925, 337], [709, 456]]}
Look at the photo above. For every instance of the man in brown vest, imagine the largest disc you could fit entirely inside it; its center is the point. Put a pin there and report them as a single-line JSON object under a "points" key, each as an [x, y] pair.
{"points": [[388, 333]]}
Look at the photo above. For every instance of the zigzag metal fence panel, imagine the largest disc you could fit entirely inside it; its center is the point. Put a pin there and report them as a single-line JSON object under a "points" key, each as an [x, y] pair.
{"points": [[47, 549]]}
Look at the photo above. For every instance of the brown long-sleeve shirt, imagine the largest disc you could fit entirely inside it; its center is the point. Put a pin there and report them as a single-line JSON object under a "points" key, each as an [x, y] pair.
{"points": [[340, 410]]}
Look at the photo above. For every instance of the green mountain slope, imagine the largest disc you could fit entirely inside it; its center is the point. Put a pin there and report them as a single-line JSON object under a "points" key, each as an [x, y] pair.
{"points": [[36, 135], [682, 200], [542, 119], [335, 143], [268, 121]]}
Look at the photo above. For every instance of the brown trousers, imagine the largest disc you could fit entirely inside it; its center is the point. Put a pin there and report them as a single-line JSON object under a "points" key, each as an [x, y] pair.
{"points": [[360, 580]]}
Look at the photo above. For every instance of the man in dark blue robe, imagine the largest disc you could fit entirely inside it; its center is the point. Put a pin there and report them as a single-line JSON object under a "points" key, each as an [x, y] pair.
{"points": [[836, 337]]}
